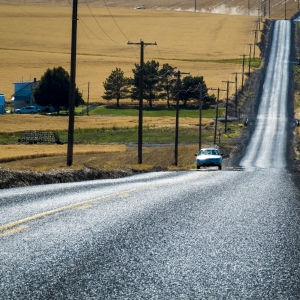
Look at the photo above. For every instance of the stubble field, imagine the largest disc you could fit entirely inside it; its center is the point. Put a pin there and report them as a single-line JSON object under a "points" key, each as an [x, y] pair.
{"points": [[34, 38]]}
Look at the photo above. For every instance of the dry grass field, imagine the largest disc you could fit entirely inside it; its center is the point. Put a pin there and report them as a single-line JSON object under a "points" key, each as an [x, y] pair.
{"points": [[107, 157], [233, 7], [16, 152], [18, 123], [44, 157], [36, 37]]}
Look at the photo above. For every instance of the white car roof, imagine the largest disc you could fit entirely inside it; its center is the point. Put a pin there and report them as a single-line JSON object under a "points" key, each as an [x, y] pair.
{"points": [[210, 149]]}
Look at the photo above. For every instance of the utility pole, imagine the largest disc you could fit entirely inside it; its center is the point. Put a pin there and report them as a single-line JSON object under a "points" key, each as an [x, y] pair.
{"points": [[72, 84], [178, 75], [285, 9], [217, 112], [88, 100], [227, 98], [248, 7], [236, 94], [258, 18], [249, 62], [270, 8], [254, 42], [142, 45], [195, 8], [264, 8], [200, 117], [243, 70]]}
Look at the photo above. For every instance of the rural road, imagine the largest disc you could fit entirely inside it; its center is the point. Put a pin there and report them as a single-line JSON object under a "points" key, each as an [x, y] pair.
{"points": [[165, 235]]}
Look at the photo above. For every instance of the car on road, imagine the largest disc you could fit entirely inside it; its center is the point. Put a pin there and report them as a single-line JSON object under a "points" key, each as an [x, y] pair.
{"points": [[209, 157], [27, 110]]}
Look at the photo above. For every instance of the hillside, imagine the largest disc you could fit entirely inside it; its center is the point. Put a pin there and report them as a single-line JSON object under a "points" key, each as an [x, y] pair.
{"points": [[233, 7], [36, 38]]}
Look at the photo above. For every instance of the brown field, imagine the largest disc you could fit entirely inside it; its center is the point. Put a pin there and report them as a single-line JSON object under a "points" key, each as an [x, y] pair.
{"points": [[16, 152], [34, 38], [18, 123], [103, 157]]}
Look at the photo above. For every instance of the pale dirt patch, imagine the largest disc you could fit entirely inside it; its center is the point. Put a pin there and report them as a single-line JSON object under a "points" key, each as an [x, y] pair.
{"points": [[18, 123], [43, 41]]}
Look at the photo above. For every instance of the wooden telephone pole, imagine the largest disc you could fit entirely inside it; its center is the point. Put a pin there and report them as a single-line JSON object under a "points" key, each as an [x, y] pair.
{"points": [[249, 61], [217, 112], [200, 118], [236, 93], [285, 9], [142, 45], [88, 100], [255, 42], [227, 98], [72, 84], [243, 70], [178, 75]]}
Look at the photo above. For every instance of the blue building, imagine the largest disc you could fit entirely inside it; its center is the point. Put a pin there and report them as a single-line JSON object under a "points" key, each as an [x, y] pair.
{"points": [[23, 95], [2, 104]]}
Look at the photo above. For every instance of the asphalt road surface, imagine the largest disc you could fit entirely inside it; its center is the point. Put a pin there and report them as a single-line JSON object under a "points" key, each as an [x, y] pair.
{"points": [[267, 147], [165, 235]]}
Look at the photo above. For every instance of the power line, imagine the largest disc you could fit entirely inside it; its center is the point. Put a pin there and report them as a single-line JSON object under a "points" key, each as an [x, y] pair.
{"points": [[114, 20], [98, 24], [178, 75], [89, 29]]}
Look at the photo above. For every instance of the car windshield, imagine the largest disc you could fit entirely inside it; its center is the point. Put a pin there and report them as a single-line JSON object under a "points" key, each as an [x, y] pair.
{"points": [[209, 152]]}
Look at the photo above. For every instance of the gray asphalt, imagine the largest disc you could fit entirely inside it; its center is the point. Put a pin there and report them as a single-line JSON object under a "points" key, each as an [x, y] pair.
{"points": [[165, 235], [267, 148]]}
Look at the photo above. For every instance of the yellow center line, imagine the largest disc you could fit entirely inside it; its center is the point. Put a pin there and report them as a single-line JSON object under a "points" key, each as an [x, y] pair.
{"points": [[13, 230], [58, 210], [80, 205]]}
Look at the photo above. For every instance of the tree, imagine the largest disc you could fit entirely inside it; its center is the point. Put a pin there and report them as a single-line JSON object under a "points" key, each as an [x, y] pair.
{"points": [[167, 82], [194, 87], [53, 89], [150, 82], [116, 86]]}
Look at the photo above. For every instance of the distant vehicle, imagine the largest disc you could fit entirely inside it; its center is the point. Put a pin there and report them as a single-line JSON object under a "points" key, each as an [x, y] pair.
{"points": [[47, 109], [209, 157], [27, 110], [140, 7]]}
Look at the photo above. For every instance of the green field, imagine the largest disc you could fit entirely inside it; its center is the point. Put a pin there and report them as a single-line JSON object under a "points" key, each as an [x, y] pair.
{"points": [[129, 135], [156, 112]]}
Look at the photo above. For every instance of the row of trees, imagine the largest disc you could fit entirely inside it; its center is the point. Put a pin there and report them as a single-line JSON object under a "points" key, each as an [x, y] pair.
{"points": [[158, 83]]}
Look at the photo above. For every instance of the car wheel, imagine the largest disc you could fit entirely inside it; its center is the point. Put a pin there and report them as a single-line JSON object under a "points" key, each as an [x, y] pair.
{"points": [[198, 167], [220, 167]]}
